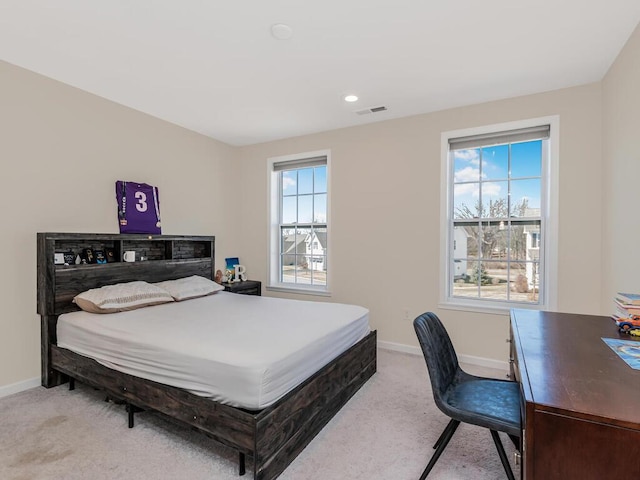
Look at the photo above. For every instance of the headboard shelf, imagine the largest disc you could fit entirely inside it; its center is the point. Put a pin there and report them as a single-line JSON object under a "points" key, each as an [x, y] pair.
{"points": [[106, 266]]}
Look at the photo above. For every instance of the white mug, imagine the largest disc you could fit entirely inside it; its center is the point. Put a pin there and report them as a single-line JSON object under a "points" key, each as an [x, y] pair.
{"points": [[129, 256]]}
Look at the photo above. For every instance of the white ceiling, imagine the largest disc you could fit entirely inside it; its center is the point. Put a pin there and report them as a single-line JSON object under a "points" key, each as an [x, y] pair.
{"points": [[213, 66]]}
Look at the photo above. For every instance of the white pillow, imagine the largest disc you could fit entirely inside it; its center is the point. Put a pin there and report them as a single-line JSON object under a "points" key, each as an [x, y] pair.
{"points": [[190, 287], [121, 297]]}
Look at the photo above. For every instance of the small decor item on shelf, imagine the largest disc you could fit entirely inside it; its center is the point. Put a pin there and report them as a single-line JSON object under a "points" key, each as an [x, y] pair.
{"points": [[100, 257], [138, 207], [69, 258], [231, 263], [218, 277], [230, 275], [87, 256], [239, 273], [110, 254]]}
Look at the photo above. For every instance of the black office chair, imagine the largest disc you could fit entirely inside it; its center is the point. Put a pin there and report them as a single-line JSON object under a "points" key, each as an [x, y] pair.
{"points": [[486, 402]]}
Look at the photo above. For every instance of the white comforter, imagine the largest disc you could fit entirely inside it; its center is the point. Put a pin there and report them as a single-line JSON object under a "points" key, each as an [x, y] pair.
{"points": [[245, 351]]}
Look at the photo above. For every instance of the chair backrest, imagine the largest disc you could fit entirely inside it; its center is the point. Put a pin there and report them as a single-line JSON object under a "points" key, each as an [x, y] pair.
{"points": [[439, 354]]}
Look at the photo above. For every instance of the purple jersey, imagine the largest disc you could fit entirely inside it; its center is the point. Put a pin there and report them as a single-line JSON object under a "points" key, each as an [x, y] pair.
{"points": [[138, 207]]}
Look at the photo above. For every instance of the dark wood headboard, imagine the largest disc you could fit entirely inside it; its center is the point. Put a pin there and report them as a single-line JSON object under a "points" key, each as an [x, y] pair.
{"points": [[167, 257]]}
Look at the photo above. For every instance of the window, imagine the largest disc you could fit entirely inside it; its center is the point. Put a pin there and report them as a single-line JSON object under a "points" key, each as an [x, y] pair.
{"points": [[500, 214], [299, 222]]}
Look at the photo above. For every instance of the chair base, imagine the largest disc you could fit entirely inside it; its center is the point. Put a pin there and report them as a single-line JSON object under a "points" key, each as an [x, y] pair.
{"points": [[440, 445], [502, 454], [444, 439]]}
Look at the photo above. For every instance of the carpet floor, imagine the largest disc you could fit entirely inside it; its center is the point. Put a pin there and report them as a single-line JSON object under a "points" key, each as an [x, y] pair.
{"points": [[386, 431]]}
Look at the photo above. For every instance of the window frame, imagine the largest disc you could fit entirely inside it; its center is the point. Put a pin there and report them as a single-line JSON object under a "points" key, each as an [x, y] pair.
{"points": [[549, 220], [273, 209]]}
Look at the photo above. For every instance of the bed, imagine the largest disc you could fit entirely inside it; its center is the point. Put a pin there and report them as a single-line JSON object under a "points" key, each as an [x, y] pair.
{"points": [[273, 426]]}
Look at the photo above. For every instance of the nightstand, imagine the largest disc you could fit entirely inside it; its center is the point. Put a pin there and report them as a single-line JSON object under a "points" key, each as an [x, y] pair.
{"points": [[248, 287]]}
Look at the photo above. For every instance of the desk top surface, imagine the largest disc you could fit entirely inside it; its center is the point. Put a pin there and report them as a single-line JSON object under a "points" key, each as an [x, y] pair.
{"points": [[566, 367]]}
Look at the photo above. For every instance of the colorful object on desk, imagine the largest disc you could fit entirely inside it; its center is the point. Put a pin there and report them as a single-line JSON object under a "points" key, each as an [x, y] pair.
{"points": [[628, 324], [625, 309], [627, 350], [628, 298]]}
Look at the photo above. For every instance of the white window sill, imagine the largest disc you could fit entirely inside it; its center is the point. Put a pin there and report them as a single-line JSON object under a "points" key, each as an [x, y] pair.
{"points": [[298, 290], [492, 308]]}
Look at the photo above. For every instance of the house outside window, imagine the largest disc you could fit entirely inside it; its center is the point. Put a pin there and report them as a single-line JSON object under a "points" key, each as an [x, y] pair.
{"points": [[500, 216], [298, 244]]}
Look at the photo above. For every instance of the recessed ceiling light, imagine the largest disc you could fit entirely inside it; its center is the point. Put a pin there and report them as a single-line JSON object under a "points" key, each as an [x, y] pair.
{"points": [[351, 98], [281, 31]]}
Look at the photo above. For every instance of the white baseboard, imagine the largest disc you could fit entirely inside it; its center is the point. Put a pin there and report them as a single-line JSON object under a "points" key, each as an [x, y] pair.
{"points": [[396, 347], [399, 347], [7, 390], [471, 360]]}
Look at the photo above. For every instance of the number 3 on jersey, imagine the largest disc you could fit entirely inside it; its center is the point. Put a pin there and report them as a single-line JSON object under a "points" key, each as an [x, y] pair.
{"points": [[141, 204]]}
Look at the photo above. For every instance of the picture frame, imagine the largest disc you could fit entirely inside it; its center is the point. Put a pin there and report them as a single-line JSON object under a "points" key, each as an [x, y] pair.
{"points": [[87, 255], [110, 254], [231, 262], [69, 258], [100, 256]]}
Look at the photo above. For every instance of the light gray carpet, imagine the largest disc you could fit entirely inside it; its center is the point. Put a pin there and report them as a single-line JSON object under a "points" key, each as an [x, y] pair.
{"points": [[386, 431]]}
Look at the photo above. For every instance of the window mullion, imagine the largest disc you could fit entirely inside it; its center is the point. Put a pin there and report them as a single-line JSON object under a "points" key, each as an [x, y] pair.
{"points": [[478, 269]]}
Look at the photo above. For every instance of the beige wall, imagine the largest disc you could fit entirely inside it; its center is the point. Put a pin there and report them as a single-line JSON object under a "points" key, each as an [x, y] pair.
{"points": [[62, 151], [621, 173], [385, 187]]}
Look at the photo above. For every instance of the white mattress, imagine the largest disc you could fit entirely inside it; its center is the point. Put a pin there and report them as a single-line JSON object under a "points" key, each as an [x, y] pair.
{"points": [[241, 350]]}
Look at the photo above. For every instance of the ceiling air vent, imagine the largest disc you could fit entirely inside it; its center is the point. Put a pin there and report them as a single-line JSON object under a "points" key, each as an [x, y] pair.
{"points": [[366, 111]]}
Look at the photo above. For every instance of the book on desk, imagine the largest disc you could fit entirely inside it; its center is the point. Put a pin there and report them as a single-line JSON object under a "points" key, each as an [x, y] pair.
{"points": [[623, 309], [628, 298], [627, 312]]}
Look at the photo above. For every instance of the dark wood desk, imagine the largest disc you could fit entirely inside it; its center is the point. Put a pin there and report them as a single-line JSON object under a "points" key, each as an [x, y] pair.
{"points": [[581, 401]]}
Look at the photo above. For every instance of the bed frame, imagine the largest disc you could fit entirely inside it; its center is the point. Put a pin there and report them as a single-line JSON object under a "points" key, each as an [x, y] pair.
{"points": [[273, 436]]}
